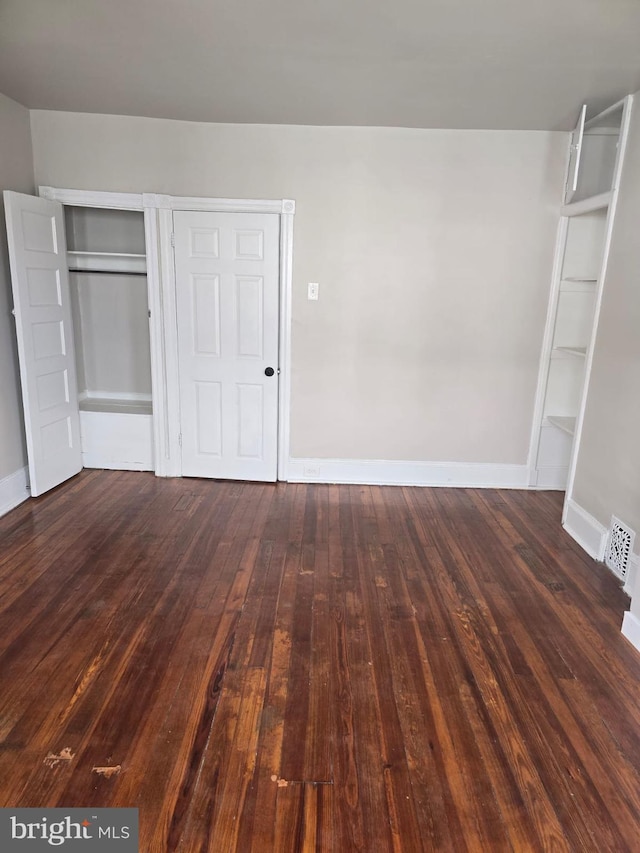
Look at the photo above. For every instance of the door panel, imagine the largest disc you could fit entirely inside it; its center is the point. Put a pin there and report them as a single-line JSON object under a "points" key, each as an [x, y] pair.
{"points": [[208, 426], [39, 275], [249, 311], [227, 273], [250, 415], [206, 314]]}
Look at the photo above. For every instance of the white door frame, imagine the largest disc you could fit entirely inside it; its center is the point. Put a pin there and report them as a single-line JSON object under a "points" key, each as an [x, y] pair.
{"points": [[160, 235], [158, 220]]}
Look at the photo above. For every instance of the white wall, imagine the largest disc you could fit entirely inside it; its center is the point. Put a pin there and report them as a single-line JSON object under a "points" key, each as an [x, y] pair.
{"points": [[16, 173], [433, 251], [608, 467], [111, 333]]}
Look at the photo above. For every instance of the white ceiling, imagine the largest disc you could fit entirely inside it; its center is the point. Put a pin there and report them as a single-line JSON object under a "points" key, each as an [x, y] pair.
{"points": [[408, 63]]}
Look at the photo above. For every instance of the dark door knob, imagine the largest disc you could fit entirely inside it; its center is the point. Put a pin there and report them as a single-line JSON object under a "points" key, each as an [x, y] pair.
{"points": [[269, 371]]}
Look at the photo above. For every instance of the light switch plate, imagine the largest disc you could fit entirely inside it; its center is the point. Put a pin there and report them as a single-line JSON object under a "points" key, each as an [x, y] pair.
{"points": [[312, 290]]}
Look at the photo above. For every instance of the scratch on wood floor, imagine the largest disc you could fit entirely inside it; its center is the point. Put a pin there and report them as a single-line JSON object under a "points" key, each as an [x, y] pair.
{"points": [[107, 772], [64, 755], [284, 783], [90, 673], [7, 722]]}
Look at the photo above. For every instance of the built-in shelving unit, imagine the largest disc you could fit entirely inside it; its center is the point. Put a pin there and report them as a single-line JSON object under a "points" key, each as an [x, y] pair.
{"points": [[595, 163]]}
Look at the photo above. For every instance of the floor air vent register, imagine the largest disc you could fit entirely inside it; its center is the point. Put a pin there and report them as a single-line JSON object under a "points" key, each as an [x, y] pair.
{"points": [[619, 547]]}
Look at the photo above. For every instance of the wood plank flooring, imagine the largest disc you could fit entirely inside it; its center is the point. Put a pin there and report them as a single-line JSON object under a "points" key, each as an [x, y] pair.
{"points": [[316, 668]]}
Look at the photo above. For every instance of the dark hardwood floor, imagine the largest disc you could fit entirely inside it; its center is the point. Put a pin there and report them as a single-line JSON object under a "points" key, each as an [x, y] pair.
{"points": [[331, 668]]}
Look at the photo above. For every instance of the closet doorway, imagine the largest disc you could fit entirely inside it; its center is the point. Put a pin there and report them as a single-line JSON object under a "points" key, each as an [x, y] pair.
{"points": [[179, 313], [82, 326]]}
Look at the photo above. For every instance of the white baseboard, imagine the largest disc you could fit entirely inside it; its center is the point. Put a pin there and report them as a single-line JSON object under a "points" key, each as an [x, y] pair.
{"points": [[14, 489], [551, 478], [380, 472], [631, 629], [632, 573], [586, 530]]}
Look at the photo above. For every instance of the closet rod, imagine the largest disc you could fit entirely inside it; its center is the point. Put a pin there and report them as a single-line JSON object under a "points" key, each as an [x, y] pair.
{"points": [[107, 272]]}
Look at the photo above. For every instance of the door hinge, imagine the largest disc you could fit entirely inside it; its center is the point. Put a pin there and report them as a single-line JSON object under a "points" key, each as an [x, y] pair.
{"points": [[173, 239], [180, 439]]}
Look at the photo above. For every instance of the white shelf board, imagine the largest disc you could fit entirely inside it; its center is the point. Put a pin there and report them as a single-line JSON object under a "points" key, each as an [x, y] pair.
{"points": [[577, 351], [566, 424], [577, 285], [614, 108], [124, 405], [107, 262], [586, 205]]}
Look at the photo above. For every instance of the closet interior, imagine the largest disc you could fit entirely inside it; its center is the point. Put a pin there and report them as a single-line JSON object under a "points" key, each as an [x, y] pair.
{"points": [[106, 257]]}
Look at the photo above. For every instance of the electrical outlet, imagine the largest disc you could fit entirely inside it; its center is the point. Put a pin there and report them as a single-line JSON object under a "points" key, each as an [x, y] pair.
{"points": [[310, 472], [312, 290]]}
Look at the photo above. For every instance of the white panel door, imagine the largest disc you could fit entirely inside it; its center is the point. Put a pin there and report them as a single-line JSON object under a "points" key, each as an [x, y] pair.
{"points": [[37, 254], [227, 273]]}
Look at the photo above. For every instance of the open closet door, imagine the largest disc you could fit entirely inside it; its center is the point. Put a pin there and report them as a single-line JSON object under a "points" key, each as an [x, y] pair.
{"points": [[573, 173], [38, 258]]}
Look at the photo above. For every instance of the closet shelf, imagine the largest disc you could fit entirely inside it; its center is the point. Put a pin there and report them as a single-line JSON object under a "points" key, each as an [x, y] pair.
{"points": [[576, 284], [577, 351], [120, 405], [566, 424], [125, 263], [587, 205]]}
